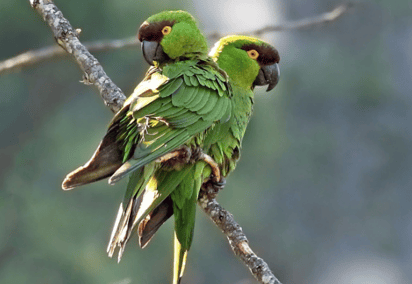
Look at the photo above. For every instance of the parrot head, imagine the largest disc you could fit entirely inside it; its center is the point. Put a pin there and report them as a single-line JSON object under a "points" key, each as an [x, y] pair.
{"points": [[249, 62], [170, 35]]}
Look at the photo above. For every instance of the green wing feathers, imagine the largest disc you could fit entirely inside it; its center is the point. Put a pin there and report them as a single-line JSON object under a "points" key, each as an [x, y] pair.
{"points": [[182, 109], [223, 142]]}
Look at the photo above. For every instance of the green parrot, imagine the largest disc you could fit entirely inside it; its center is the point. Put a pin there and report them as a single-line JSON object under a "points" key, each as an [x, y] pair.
{"points": [[248, 62], [183, 96]]}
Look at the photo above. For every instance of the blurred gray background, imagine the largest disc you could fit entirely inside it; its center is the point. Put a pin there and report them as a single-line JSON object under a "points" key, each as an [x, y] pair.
{"points": [[323, 189]]}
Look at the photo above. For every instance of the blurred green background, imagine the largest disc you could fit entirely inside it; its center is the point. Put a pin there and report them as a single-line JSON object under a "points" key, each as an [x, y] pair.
{"points": [[323, 189]]}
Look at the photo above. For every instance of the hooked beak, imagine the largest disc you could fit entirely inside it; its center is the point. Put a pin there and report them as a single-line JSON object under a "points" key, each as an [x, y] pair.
{"points": [[268, 75], [153, 51]]}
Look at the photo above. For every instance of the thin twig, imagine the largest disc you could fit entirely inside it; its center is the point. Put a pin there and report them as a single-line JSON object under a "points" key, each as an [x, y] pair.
{"points": [[47, 53], [30, 58], [67, 38], [33, 57], [307, 22], [301, 24]]}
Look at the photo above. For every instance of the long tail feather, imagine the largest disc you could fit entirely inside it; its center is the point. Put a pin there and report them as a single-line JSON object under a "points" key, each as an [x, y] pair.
{"points": [[184, 211], [140, 205], [149, 226], [179, 263], [123, 227], [115, 230]]}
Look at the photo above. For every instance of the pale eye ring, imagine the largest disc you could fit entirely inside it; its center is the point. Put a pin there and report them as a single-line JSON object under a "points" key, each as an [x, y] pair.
{"points": [[166, 30], [253, 54]]}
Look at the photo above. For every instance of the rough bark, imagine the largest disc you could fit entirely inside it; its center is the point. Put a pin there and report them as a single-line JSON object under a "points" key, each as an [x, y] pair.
{"points": [[68, 39], [237, 239]]}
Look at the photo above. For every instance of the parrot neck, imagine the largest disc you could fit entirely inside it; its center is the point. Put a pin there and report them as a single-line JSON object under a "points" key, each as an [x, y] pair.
{"points": [[242, 108]]}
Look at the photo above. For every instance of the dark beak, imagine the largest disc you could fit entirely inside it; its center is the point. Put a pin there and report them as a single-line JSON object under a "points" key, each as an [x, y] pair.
{"points": [[268, 75], [153, 51]]}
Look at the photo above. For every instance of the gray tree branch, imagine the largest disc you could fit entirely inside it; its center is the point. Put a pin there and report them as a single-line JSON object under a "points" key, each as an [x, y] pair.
{"points": [[237, 239], [67, 38], [36, 56]]}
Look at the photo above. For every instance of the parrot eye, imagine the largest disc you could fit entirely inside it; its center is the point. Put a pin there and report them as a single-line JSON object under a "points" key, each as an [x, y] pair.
{"points": [[166, 30], [253, 54]]}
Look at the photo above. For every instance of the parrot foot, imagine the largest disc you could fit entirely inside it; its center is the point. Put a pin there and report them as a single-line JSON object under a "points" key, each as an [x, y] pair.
{"points": [[198, 154], [185, 154], [216, 181], [177, 157], [216, 177], [168, 157]]}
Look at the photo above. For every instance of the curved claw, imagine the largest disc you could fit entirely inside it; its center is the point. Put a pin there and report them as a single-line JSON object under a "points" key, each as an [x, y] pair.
{"points": [[218, 184], [213, 165]]}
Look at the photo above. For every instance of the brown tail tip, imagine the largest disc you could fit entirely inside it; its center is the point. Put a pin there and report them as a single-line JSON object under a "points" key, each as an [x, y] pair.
{"points": [[89, 173], [77, 177], [68, 182], [65, 185]]}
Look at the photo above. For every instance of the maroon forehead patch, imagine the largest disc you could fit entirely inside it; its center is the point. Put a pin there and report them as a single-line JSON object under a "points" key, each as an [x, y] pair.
{"points": [[153, 31], [267, 54]]}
